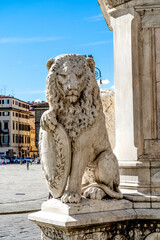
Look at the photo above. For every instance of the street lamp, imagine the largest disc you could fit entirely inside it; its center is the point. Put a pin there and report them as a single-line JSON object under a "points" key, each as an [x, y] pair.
{"points": [[98, 74]]}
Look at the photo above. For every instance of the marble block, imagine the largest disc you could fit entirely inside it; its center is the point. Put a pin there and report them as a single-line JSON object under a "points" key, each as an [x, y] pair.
{"points": [[86, 206], [95, 220]]}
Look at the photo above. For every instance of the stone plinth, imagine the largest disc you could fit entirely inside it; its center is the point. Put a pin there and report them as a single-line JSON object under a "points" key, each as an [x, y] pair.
{"points": [[136, 28], [94, 219]]}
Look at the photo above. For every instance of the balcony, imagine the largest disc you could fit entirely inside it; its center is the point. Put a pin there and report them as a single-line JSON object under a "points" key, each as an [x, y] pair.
{"points": [[5, 131], [4, 144]]}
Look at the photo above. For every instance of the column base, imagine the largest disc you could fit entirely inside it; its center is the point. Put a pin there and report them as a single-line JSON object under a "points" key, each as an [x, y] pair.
{"points": [[140, 182]]}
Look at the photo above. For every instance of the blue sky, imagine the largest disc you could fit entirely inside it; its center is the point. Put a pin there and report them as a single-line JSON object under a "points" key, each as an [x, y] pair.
{"points": [[32, 31]]}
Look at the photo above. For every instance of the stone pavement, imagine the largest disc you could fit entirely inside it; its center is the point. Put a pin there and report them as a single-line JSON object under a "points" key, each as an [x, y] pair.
{"points": [[18, 227], [21, 191]]}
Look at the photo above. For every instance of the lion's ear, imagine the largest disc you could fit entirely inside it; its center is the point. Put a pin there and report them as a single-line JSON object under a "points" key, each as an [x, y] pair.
{"points": [[91, 64], [49, 63]]}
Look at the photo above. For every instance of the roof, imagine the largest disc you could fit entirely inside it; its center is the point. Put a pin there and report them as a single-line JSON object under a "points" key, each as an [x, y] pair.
{"points": [[3, 96], [40, 105]]}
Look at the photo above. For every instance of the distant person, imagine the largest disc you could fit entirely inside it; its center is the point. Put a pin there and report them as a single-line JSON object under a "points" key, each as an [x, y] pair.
{"points": [[50, 196], [27, 165]]}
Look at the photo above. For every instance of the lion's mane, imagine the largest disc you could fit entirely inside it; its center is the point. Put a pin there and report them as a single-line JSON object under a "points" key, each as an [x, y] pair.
{"points": [[79, 116]]}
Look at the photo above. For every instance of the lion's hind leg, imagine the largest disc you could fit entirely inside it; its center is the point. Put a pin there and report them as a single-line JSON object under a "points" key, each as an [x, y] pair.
{"points": [[103, 177], [90, 188]]}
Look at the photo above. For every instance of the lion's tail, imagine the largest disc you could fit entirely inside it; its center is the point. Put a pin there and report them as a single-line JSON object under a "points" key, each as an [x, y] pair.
{"points": [[107, 190]]}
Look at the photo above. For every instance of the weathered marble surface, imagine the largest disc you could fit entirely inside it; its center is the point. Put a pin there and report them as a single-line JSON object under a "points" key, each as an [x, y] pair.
{"points": [[108, 103], [85, 206], [75, 151], [136, 30], [114, 3], [119, 220]]}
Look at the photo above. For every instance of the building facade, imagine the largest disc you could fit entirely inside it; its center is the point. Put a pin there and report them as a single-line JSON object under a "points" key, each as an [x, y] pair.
{"points": [[39, 109], [14, 127], [33, 152]]}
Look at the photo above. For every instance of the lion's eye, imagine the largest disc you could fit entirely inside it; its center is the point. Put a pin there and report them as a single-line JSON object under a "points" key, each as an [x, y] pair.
{"points": [[62, 75], [79, 75]]}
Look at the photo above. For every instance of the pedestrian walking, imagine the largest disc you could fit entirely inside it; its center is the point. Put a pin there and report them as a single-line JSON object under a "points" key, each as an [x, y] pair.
{"points": [[27, 165], [50, 196]]}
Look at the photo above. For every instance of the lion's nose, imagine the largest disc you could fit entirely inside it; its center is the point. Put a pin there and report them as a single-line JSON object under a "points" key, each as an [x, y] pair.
{"points": [[72, 85], [69, 87]]}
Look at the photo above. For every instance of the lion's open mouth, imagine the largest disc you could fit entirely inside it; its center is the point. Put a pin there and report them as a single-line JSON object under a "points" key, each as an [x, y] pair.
{"points": [[72, 95], [72, 98]]}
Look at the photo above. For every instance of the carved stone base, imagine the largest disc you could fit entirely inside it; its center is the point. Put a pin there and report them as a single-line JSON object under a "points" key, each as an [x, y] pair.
{"points": [[124, 230], [97, 220], [140, 181]]}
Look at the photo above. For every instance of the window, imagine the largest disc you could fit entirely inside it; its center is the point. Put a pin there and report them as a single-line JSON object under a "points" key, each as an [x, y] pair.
{"points": [[13, 138], [6, 139], [16, 138], [19, 115], [6, 101], [20, 126], [6, 113], [13, 101], [0, 126], [13, 114], [16, 125], [2, 101], [5, 125], [16, 114], [0, 113], [28, 139], [13, 125]]}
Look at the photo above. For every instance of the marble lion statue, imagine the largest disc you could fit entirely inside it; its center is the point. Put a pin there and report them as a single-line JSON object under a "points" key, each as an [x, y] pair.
{"points": [[76, 155]]}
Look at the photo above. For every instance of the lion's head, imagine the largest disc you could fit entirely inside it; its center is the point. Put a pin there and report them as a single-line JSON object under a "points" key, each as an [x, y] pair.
{"points": [[72, 92]]}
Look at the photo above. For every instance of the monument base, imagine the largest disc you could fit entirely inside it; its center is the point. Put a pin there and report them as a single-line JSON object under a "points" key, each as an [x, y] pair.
{"points": [[140, 182], [97, 220]]}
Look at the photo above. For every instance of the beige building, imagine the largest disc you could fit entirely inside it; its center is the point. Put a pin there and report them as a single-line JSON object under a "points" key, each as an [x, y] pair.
{"points": [[32, 148], [39, 108], [14, 127]]}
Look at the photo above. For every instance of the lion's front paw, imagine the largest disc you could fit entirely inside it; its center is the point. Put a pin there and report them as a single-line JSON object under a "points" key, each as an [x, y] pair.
{"points": [[94, 193], [48, 121], [71, 197]]}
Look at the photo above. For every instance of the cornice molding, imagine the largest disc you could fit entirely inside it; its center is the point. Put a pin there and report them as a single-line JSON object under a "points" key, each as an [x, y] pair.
{"points": [[115, 3]]}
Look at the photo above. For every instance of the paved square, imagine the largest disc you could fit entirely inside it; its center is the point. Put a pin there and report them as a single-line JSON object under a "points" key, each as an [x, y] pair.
{"points": [[21, 191]]}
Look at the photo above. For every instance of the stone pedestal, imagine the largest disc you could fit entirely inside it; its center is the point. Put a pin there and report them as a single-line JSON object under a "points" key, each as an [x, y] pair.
{"points": [[96, 220], [136, 28]]}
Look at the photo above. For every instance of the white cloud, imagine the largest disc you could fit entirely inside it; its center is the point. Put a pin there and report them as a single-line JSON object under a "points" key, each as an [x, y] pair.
{"points": [[32, 92], [104, 82], [96, 43], [113, 87], [96, 18], [28, 40], [37, 91]]}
